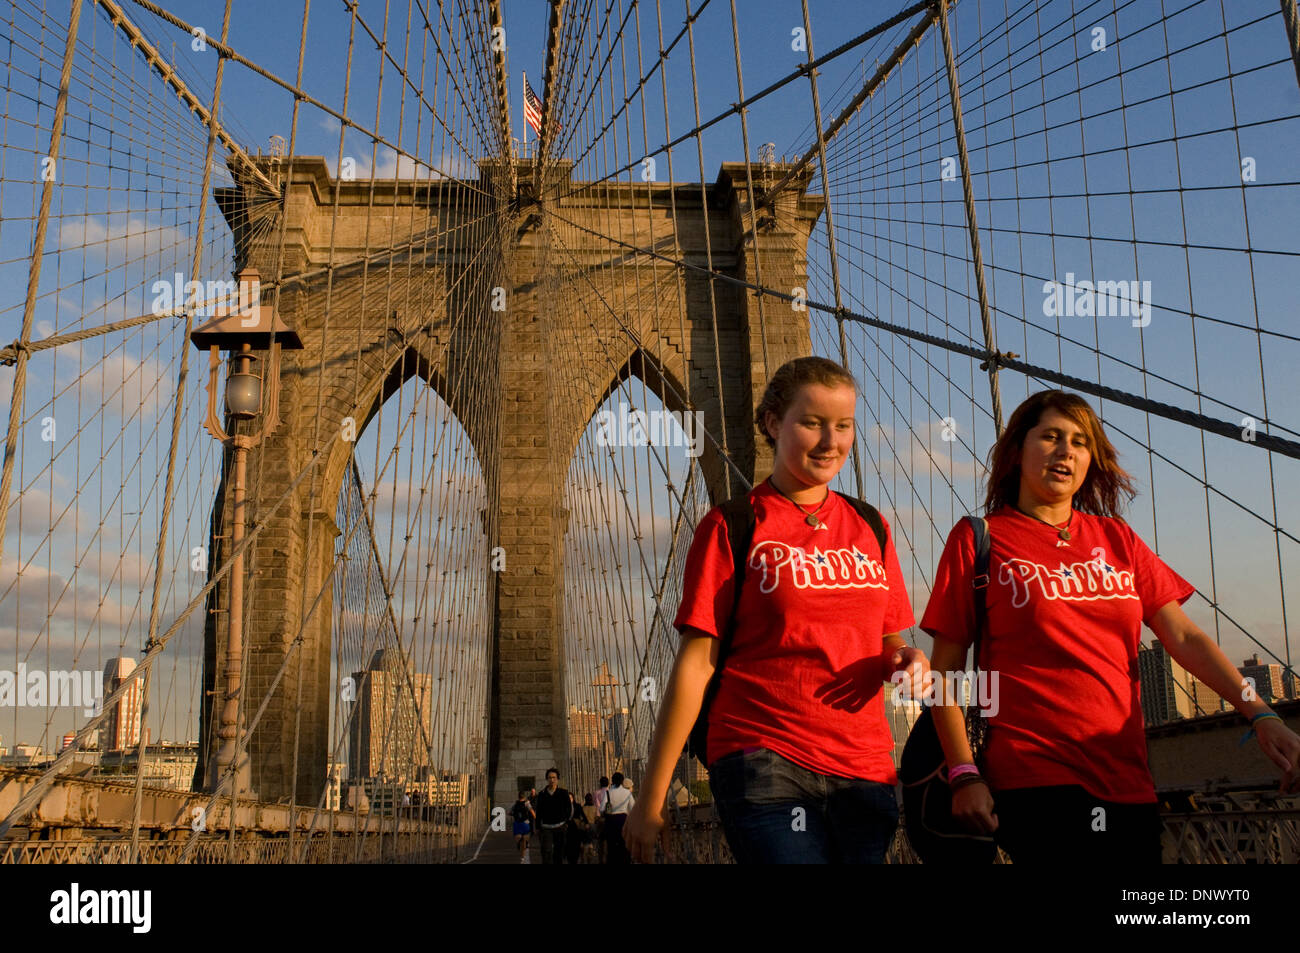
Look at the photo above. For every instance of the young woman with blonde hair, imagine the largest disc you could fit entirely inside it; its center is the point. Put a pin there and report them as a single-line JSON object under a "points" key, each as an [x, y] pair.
{"points": [[800, 756]]}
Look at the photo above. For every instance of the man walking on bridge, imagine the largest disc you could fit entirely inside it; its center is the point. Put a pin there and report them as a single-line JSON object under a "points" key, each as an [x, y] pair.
{"points": [[554, 810]]}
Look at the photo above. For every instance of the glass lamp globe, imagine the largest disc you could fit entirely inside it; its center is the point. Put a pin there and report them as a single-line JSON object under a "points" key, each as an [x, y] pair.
{"points": [[244, 395]]}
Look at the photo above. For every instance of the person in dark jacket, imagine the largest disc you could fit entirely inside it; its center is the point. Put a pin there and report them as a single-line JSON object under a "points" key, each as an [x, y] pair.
{"points": [[554, 811]]}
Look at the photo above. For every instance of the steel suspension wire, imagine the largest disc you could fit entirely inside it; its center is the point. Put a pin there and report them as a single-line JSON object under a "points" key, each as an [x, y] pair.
{"points": [[963, 169]]}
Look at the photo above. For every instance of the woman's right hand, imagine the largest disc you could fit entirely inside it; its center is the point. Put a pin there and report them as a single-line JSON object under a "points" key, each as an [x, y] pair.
{"points": [[972, 805], [641, 831]]}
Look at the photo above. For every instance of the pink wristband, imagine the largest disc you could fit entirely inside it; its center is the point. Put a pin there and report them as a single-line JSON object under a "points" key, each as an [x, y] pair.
{"points": [[961, 769]]}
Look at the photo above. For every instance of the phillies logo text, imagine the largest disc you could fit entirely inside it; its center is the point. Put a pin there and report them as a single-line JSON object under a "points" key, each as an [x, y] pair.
{"points": [[1079, 582], [821, 569]]}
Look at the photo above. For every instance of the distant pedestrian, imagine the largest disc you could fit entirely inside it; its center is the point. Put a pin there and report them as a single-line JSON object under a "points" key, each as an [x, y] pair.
{"points": [[554, 809], [617, 804], [523, 815], [602, 793], [579, 830], [590, 846]]}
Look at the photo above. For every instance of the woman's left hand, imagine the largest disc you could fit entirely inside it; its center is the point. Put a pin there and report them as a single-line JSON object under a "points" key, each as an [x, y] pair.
{"points": [[915, 667], [1282, 746]]}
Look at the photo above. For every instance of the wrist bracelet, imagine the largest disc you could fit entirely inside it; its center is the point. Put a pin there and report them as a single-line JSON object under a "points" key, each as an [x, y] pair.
{"points": [[966, 779], [961, 769], [1251, 733]]}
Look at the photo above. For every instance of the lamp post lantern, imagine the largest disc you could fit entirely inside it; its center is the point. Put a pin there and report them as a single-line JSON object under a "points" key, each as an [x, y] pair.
{"points": [[239, 330]]}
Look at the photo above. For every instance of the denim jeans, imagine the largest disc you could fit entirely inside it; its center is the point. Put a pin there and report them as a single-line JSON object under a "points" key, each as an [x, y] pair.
{"points": [[775, 812]]}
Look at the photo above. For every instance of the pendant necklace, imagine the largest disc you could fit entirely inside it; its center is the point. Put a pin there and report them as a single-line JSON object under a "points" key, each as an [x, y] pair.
{"points": [[1062, 531], [809, 518]]}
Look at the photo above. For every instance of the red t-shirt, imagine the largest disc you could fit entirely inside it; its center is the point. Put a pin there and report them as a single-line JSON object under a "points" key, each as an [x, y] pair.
{"points": [[1062, 637], [804, 673]]}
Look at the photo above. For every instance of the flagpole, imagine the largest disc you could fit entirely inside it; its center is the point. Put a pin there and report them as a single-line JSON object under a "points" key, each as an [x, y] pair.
{"points": [[524, 111]]}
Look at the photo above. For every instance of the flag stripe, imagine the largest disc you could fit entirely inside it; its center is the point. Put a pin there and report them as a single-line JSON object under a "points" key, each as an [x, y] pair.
{"points": [[532, 108]]}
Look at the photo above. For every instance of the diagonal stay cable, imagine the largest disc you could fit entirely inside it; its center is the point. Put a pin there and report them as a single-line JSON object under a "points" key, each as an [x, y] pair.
{"points": [[1288, 448]]}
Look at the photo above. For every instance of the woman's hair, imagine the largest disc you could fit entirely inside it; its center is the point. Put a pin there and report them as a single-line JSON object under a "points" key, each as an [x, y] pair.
{"points": [[789, 377], [1105, 480]]}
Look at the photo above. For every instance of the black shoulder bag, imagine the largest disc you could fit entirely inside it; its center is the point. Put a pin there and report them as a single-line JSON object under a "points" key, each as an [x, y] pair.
{"points": [[927, 800], [738, 516]]}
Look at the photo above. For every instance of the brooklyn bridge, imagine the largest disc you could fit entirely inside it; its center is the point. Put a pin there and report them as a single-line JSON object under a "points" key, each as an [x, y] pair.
{"points": [[372, 364]]}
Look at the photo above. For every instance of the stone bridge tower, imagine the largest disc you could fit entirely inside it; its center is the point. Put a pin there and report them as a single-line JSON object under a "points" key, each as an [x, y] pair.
{"points": [[402, 302]]}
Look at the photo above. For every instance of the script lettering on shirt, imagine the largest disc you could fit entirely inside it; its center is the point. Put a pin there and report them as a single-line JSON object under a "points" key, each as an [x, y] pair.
{"points": [[1084, 581], [844, 568]]}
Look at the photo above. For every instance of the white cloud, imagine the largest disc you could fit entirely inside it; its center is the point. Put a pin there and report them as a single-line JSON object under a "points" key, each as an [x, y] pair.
{"points": [[119, 237], [389, 164]]}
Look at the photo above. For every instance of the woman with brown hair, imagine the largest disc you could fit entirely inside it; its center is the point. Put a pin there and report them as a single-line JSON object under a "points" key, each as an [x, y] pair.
{"points": [[1065, 775], [798, 749]]}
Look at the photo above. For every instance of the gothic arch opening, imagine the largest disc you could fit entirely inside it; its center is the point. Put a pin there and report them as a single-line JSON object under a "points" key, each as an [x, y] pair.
{"points": [[633, 493], [412, 627]]}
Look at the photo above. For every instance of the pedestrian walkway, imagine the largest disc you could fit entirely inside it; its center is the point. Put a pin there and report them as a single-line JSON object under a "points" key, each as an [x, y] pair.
{"points": [[499, 848]]}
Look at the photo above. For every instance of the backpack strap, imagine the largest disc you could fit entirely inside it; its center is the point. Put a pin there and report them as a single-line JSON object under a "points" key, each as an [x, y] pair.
{"points": [[977, 728], [738, 517], [872, 517], [980, 578], [738, 520]]}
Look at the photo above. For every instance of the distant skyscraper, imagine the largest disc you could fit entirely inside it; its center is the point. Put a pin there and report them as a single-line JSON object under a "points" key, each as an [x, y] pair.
{"points": [[124, 721], [1205, 700], [334, 784], [617, 726], [591, 750], [392, 704], [1267, 679], [1165, 695]]}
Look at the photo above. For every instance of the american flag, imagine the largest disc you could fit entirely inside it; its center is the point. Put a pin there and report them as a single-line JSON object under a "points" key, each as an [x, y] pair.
{"points": [[532, 108]]}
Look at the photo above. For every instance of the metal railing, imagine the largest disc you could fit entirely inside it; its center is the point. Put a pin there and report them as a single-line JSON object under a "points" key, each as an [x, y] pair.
{"points": [[1221, 832]]}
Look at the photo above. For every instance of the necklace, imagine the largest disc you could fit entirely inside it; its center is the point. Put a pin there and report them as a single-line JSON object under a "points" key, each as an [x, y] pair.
{"points": [[1062, 531], [809, 518]]}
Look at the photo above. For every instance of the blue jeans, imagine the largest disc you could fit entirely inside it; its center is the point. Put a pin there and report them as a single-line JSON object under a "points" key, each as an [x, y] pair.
{"points": [[775, 812]]}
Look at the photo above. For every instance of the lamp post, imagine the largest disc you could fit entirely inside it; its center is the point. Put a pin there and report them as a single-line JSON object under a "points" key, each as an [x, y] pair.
{"points": [[239, 331]]}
